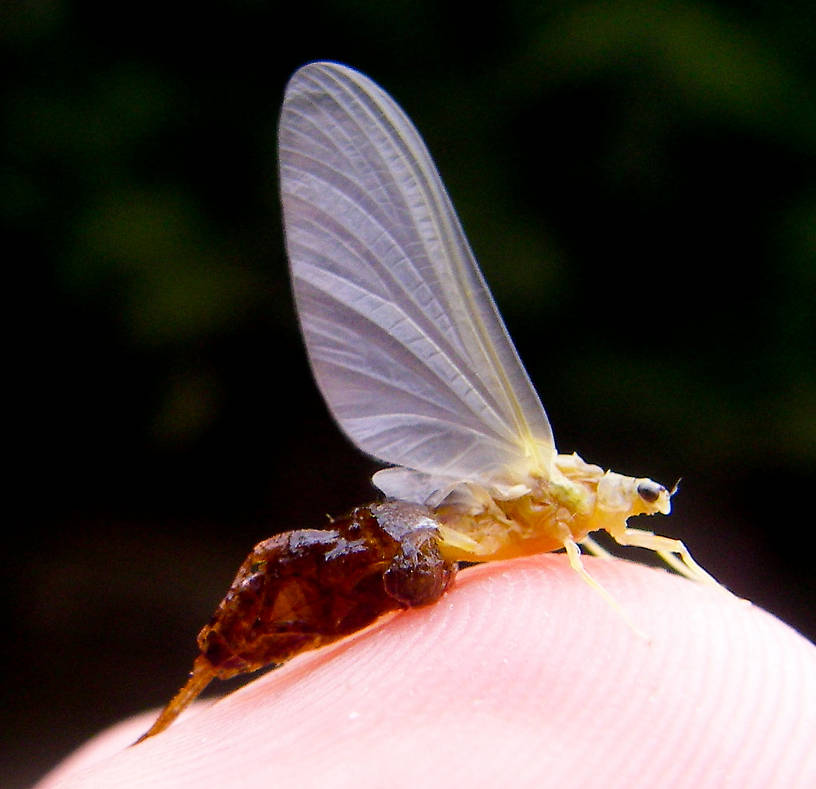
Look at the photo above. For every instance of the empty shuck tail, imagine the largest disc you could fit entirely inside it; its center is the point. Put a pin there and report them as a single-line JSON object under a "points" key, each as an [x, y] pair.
{"points": [[201, 676]]}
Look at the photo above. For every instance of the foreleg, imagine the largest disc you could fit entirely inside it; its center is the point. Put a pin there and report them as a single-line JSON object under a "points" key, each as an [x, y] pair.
{"points": [[673, 552]]}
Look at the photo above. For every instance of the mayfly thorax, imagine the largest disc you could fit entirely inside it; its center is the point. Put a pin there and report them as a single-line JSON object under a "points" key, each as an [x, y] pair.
{"points": [[412, 357]]}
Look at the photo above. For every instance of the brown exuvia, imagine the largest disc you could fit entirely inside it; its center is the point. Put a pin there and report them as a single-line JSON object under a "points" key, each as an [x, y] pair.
{"points": [[302, 589]]}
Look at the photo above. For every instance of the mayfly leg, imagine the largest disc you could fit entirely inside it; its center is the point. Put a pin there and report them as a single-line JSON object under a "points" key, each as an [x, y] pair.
{"points": [[595, 548], [574, 556], [668, 550]]}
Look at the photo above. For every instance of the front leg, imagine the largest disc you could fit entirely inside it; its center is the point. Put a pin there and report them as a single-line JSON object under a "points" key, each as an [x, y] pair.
{"points": [[668, 550]]}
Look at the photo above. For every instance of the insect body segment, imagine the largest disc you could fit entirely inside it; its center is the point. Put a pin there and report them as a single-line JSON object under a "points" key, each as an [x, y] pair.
{"points": [[577, 499], [302, 589]]}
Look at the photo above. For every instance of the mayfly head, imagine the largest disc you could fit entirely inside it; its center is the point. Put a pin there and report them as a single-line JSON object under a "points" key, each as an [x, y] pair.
{"points": [[654, 497], [632, 496]]}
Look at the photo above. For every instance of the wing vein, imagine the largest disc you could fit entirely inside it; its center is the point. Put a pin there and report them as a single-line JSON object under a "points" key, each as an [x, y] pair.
{"points": [[403, 337]]}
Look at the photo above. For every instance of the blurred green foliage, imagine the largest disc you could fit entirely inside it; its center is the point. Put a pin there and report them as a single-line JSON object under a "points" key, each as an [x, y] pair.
{"points": [[637, 179]]}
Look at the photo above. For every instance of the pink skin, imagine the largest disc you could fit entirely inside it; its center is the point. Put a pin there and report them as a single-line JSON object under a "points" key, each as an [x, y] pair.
{"points": [[520, 676]]}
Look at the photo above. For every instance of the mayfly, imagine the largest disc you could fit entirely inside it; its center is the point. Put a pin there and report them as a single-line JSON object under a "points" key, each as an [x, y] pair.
{"points": [[418, 370]]}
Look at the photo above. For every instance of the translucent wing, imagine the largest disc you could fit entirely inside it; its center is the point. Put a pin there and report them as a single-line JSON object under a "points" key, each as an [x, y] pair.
{"points": [[403, 336]]}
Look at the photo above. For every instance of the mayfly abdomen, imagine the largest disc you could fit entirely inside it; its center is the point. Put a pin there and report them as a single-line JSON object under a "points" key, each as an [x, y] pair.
{"points": [[302, 589]]}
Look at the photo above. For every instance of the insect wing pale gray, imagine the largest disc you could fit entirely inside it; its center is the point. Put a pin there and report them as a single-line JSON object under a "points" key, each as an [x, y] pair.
{"points": [[403, 336]]}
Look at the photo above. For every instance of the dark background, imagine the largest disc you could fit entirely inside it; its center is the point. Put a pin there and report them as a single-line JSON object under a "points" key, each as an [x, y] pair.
{"points": [[637, 180]]}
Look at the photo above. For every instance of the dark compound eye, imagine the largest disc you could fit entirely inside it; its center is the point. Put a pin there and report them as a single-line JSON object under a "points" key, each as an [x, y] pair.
{"points": [[649, 491]]}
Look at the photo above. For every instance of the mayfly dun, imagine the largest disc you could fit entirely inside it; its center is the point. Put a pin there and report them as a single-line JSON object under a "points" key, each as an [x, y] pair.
{"points": [[418, 370]]}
